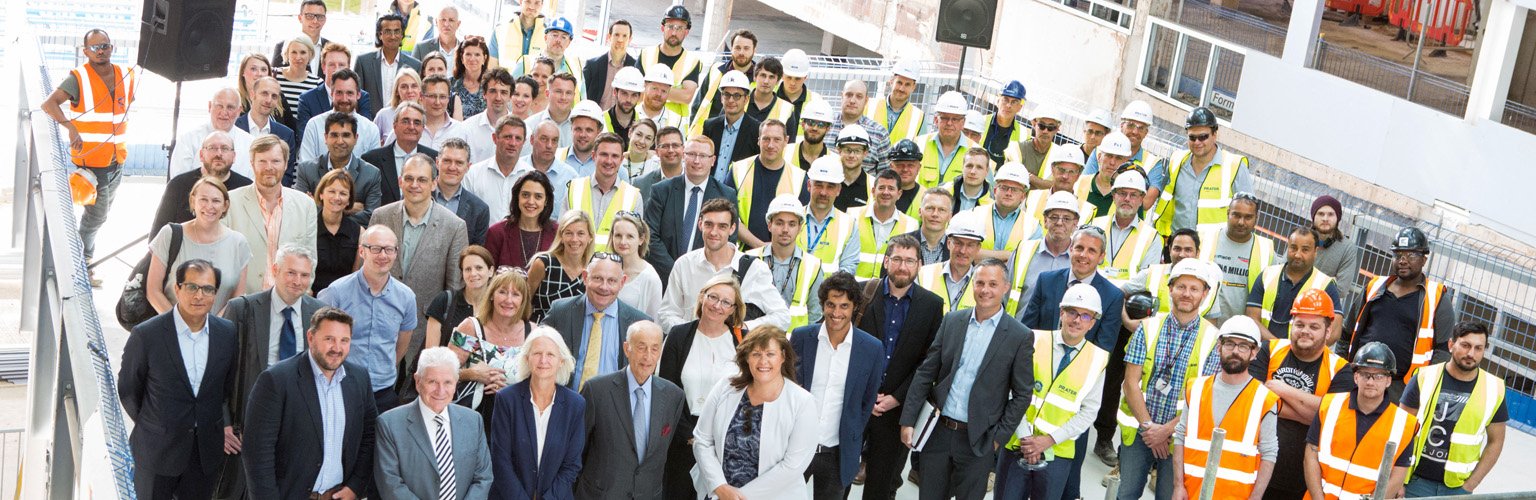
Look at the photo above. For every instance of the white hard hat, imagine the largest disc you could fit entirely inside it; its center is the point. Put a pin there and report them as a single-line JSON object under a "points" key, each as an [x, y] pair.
{"points": [[1047, 111], [975, 122], [1139, 111], [1061, 200], [787, 203], [1242, 327], [1070, 154], [1083, 296], [1130, 179], [1116, 143], [965, 225], [659, 73], [854, 134], [1193, 267], [820, 111], [951, 102], [629, 78], [735, 79], [796, 63], [1014, 172], [826, 169], [907, 68], [587, 108], [1101, 117]]}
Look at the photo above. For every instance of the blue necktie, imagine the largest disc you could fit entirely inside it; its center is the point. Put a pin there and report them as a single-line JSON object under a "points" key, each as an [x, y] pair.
{"points": [[1066, 359], [691, 217], [640, 423], [285, 341]]}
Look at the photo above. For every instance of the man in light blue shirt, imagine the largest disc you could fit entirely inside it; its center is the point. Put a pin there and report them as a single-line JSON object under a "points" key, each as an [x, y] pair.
{"points": [[385, 310]]}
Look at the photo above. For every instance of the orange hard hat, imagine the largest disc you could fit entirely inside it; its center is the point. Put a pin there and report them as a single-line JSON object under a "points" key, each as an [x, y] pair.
{"points": [[1314, 302], [82, 187]]}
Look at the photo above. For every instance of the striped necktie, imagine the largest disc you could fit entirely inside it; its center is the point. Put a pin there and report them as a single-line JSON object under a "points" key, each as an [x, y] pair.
{"points": [[443, 448]]}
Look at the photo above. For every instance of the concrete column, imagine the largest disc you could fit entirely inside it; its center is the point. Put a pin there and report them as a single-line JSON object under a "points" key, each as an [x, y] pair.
{"points": [[1496, 60], [717, 20], [833, 45], [1301, 35]]}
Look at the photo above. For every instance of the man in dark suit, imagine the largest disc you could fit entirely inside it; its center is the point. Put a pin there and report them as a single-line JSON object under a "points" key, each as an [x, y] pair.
{"points": [[311, 16], [317, 100], [175, 381], [672, 209], [311, 420], [445, 37], [904, 318], [1043, 309], [410, 118], [828, 349], [594, 323], [978, 377], [433, 448], [595, 72], [734, 90], [631, 417], [452, 165], [266, 100], [340, 142], [388, 32]]}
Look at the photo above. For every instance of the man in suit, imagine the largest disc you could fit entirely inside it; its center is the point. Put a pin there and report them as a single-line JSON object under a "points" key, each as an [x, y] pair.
{"points": [[377, 69], [904, 318], [254, 209], [446, 38], [311, 16], [344, 86], [593, 323], [841, 365], [175, 380], [452, 165], [334, 58], [595, 73], [311, 419], [410, 118], [1043, 310], [978, 377], [434, 448], [431, 238], [266, 101], [216, 154], [340, 139], [630, 420], [732, 131], [672, 208]]}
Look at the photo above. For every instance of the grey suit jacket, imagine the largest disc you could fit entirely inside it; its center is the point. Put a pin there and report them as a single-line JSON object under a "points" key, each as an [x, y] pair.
{"points": [[434, 264], [567, 316], [365, 183], [405, 465], [367, 68], [611, 469], [252, 315], [244, 216], [1004, 381]]}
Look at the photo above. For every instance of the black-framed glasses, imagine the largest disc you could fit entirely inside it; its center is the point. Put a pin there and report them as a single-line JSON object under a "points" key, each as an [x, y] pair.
{"points": [[733, 95], [608, 256], [1047, 126], [378, 249], [195, 288], [1079, 316], [313, 16], [1238, 345]]}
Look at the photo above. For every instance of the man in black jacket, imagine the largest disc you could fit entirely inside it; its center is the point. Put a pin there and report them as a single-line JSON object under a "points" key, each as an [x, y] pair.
{"points": [[410, 120], [672, 209], [598, 73]]}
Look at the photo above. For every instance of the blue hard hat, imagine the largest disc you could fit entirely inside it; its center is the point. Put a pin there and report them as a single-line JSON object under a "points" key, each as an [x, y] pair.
{"points": [[560, 24], [1014, 89]]}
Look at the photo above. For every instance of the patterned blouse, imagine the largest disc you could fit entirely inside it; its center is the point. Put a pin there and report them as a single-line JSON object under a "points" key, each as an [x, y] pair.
{"points": [[742, 443], [474, 102], [483, 351], [556, 285]]}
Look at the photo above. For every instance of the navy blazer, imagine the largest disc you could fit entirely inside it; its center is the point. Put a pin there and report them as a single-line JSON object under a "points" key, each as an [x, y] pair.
{"points": [[866, 365], [284, 431], [746, 138], [1043, 309], [282, 132], [389, 173], [318, 100], [514, 439], [476, 215], [664, 211], [156, 393]]}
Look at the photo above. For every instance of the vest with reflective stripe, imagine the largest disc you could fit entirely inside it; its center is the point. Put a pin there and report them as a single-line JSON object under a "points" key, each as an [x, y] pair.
{"points": [[415, 29], [626, 199], [101, 116], [1424, 344], [780, 110], [566, 64], [809, 98], [1157, 286], [1119, 263], [1205, 341], [1023, 227], [806, 273], [1036, 202], [1260, 254], [1060, 396], [509, 40], [706, 101], [931, 173], [931, 277], [1022, 259], [666, 118], [1349, 466], [872, 251], [684, 65], [1215, 193], [834, 237], [1011, 150], [906, 126], [791, 181], [1316, 280], [1238, 469], [1279, 349], [1471, 431], [634, 117], [792, 155]]}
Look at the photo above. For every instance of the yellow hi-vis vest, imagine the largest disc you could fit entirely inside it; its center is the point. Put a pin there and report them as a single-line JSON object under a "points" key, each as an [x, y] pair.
{"points": [[1316, 280], [1215, 193], [685, 64], [1120, 263], [806, 274], [101, 116], [906, 126], [834, 238], [872, 251], [792, 155], [1424, 343], [1059, 396], [507, 41], [1238, 470], [791, 181], [1157, 286], [1471, 431], [415, 29], [1023, 227], [1349, 464], [566, 64], [810, 97], [1023, 257], [1035, 203], [931, 174], [1260, 254], [707, 99], [1011, 151], [1205, 342], [931, 277], [634, 117], [626, 199], [666, 118]]}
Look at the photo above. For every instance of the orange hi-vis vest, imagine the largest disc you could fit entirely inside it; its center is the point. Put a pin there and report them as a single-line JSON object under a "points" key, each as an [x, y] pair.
{"points": [[1279, 349], [1424, 344], [1349, 465], [1238, 470], [100, 116]]}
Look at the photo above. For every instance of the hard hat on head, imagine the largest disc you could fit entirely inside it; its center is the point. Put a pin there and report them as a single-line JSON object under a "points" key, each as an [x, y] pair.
{"points": [[906, 150], [1067, 155], [853, 134], [1061, 200], [975, 122], [796, 63], [1376, 355], [1195, 268], [735, 79], [629, 78], [1101, 117], [1131, 180], [965, 225], [1116, 143], [1048, 112], [587, 108], [906, 68], [560, 24], [678, 12], [826, 169], [787, 203], [1410, 239], [1241, 327], [659, 73], [1013, 89], [951, 102], [819, 110], [1014, 172], [1083, 296], [1313, 302], [1137, 111], [1201, 117]]}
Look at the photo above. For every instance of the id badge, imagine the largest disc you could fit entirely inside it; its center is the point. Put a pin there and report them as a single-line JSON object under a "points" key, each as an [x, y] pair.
{"points": [[1162, 386]]}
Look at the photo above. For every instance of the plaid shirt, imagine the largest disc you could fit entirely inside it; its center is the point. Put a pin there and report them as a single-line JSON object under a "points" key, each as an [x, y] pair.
{"points": [[879, 144], [1174, 346]]}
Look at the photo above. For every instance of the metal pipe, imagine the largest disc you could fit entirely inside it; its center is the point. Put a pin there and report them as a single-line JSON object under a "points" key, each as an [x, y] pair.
{"points": [[1212, 465], [1418, 49], [1384, 471]]}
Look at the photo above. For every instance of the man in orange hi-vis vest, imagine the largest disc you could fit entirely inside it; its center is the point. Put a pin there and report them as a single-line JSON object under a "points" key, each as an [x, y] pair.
{"points": [[98, 95], [1352, 432], [1234, 401]]}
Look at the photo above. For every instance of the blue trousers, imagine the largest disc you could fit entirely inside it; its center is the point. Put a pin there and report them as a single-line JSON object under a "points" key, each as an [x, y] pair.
{"points": [[1017, 483], [1420, 487], [1136, 461]]}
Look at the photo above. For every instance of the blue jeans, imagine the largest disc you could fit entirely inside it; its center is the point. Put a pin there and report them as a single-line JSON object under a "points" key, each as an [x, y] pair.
{"points": [[91, 221], [1420, 487], [1136, 461], [1017, 483]]}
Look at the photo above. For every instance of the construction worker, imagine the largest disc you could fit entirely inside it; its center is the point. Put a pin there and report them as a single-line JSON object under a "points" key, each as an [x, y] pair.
{"points": [[1231, 400], [813, 126], [1113, 150], [1001, 136], [975, 124], [1041, 145], [851, 112], [1348, 440], [1195, 185], [1239, 253], [1069, 377], [944, 149], [1048, 252], [1300, 370], [972, 189], [906, 161], [936, 213], [1135, 122], [684, 68], [877, 223], [1005, 226], [653, 103], [557, 38], [796, 273], [1269, 302], [1464, 434], [1133, 242], [743, 54], [1096, 126], [1065, 170], [1405, 310], [603, 194], [951, 279], [895, 111], [852, 148], [762, 103], [1184, 244], [830, 233], [1167, 351], [763, 169], [520, 36], [792, 89], [628, 84]]}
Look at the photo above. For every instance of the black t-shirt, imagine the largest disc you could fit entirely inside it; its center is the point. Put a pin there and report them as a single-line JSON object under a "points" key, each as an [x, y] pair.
{"points": [[1289, 475], [1394, 321], [998, 139], [855, 194], [908, 196], [669, 61], [1363, 423], [448, 315], [1448, 407], [765, 186]]}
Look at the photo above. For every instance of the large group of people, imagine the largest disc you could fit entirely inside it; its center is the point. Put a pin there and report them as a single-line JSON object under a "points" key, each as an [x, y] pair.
{"points": [[421, 271]]}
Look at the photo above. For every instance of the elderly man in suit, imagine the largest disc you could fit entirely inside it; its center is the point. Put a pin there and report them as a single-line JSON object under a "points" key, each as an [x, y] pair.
{"points": [[672, 208], [842, 366], [377, 69], [1042, 311], [434, 448], [311, 419], [256, 208], [410, 118], [630, 418], [593, 323], [340, 141], [174, 383], [979, 379], [431, 238]]}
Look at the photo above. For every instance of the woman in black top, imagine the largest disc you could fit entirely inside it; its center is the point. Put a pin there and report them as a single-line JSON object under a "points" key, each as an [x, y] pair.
{"points": [[336, 235], [450, 307], [699, 353]]}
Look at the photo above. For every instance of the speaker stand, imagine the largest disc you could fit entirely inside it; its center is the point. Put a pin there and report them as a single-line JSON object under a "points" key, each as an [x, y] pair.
{"points": [[176, 117], [959, 75]]}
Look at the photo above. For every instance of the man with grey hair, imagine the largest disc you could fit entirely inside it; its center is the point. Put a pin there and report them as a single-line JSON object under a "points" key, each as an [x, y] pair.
{"points": [[450, 459], [593, 323], [223, 109], [403, 141], [1041, 310], [855, 96], [629, 421]]}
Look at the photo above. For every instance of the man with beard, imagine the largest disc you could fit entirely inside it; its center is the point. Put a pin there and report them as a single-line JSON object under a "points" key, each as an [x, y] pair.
{"points": [[792, 89], [1269, 302], [223, 111], [1405, 310], [345, 94], [653, 102], [1463, 435], [268, 214], [682, 77], [1337, 256], [1231, 401], [814, 123], [628, 84], [216, 153], [1132, 241], [743, 52]]}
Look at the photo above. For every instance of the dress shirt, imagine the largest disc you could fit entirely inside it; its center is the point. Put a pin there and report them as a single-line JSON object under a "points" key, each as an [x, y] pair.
{"points": [[258, 130], [691, 271], [931, 253], [410, 235], [883, 228], [895, 315], [1165, 367], [583, 168], [608, 353], [387, 72], [429, 417], [194, 348], [688, 199], [400, 156], [634, 404], [955, 287], [816, 231], [726, 147], [537, 119], [185, 157], [540, 427], [560, 175], [333, 425], [434, 138], [313, 144], [1002, 226], [379, 320], [1089, 411], [275, 334], [978, 335], [968, 202], [946, 157], [477, 130], [829, 382], [450, 203], [1044, 261], [486, 181], [709, 360]]}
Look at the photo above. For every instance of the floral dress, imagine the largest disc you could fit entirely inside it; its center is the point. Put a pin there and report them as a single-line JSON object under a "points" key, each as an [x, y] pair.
{"points": [[472, 394], [474, 102]]}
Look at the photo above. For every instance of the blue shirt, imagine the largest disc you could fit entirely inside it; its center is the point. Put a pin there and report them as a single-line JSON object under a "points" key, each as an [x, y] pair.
{"points": [[582, 168], [895, 316], [1175, 344], [194, 348], [333, 418], [978, 335], [1002, 226], [608, 353], [377, 322], [726, 147]]}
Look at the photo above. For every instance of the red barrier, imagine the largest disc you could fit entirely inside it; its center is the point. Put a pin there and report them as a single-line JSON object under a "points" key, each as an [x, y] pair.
{"points": [[1366, 8], [1448, 19]]}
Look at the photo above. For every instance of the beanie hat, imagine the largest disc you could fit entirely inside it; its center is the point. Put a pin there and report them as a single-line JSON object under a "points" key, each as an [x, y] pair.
{"points": [[1327, 201]]}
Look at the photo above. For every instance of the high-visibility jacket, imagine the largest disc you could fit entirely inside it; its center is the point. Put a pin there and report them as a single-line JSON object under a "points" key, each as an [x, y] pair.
{"points": [[1471, 432], [634, 117], [1349, 465], [1023, 227], [806, 273], [1028, 141], [1260, 254], [1059, 396], [1011, 150], [1279, 349], [1238, 470], [1152, 328], [931, 277], [1424, 344], [1157, 286], [834, 238], [872, 250], [666, 118], [1119, 263], [1035, 203], [779, 110], [792, 155], [931, 173], [101, 116], [1023, 257], [708, 93], [627, 198], [507, 40], [906, 126], [685, 64], [566, 64], [1316, 280], [1215, 194], [416, 29], [791, 181], [799, 110]]}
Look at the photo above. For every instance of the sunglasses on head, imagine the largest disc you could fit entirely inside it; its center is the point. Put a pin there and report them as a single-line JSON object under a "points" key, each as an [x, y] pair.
{"points": [[607, 256]]}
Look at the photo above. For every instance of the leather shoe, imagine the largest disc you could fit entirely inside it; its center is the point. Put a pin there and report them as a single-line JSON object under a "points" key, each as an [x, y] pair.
{"points": [[1106, 452], [859, 478]]}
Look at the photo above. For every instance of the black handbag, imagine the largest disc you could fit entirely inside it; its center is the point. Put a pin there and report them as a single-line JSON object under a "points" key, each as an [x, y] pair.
{"points": [[742, 264], [133, 306]]}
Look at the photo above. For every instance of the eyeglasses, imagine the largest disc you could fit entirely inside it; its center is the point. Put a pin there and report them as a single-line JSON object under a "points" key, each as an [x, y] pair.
{"points": [[1245, 196], [1199, 137], [1237, 346], [195, 288], [1061, 219], [1048, 127], [219, 149], [1081, 316], [733, 95], [1136, 126], [698, 156], [100, 47], [1091, 228], [718, 301], [314, 17], [1374, 377], [607, 256], [903, 261], [628, 213], [378, 249], [511, 269]]}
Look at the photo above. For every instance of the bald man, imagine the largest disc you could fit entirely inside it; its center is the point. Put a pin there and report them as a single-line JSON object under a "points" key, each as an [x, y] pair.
{"points": [[855, 95], [223, 109], [630, 422]]}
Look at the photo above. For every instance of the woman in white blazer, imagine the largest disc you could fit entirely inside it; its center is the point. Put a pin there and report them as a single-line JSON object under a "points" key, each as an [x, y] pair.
{"points": [[757, 430]]}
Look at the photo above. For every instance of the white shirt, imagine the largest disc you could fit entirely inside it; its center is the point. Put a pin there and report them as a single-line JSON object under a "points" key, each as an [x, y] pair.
{"points": [[827, 384], [185, 157], [486, 181], [436, 139], [274, 337], [692, 270], [539, 118], [709, 360], [475, 130], [258, 130], [313, 144], [540, 427], [387, 72], [429, 418]]}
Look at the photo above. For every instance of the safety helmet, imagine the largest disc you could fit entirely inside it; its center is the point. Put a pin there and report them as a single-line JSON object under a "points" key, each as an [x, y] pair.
{"points": [[678, 12], [1138, 111], [1241, 327], [952, 103], [1140, 305], [1376, 355], [975, 122], [1083, 296], [82, 187], [735, 79], [658, 73], [1313, 302], [965, 225], [629, 78], [1101, 117], [1067, 155], [786, 203], [853, 134], [796, 63], [826, 169], [1129, 179], [560, 24], [1116, 143], [1201, 117], [906, 150], [1013, 89], [1411, 238], [819, 110]]}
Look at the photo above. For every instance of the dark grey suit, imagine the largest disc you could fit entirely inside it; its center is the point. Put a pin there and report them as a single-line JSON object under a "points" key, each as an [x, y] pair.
{"points": [[611, 469], [365, 183], [372, 76], [665, 207], [475, 214], [405, 465], [568, 315]]}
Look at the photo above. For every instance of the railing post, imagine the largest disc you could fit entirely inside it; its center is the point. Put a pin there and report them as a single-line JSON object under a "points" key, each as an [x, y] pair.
{"points": [[1212, 465]]}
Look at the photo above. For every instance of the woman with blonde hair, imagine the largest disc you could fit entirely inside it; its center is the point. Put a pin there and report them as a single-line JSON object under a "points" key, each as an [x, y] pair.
{"points": [[696, 356], [630, 238], [204, 237], [407, 89], [252, 68], [488, 342], [295, 78], [538, 418], [557, 272]]}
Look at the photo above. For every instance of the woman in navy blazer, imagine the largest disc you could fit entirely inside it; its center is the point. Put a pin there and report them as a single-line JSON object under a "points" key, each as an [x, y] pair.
{"points": [[538, 426]]}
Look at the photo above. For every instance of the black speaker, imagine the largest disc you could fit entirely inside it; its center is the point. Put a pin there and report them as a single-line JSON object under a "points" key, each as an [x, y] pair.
{"points": [[186, 39], [966, 22]]}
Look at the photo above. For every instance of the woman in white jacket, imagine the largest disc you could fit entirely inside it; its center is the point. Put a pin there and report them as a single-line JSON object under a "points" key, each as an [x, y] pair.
{"points": [[757, 430]]}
